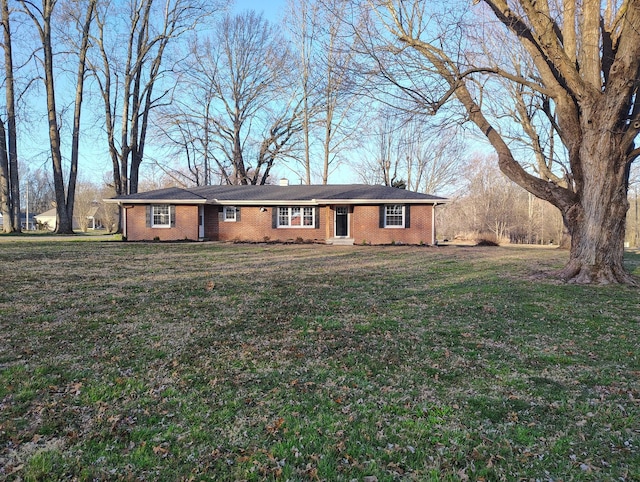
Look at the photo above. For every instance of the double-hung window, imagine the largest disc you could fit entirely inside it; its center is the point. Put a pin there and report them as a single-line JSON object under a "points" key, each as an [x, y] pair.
{"points": [[394, 216], [230, 213], [296, 217], [160, 216]]}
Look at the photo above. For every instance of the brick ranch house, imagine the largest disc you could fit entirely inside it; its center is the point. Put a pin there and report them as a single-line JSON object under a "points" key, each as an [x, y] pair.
{"points": [[331, 214]]}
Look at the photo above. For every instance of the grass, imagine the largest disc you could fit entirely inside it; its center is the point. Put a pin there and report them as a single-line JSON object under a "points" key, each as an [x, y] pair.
{"points": [[204, 361]]}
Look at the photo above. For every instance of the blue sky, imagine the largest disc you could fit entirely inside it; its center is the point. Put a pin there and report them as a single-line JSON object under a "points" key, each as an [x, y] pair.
{"points": [[272, 9]]}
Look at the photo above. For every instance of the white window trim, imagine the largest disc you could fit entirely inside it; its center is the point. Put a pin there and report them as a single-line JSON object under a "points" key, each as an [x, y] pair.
{"points": [[153, 216], [224, 214], [301, 225], [394, 226]]}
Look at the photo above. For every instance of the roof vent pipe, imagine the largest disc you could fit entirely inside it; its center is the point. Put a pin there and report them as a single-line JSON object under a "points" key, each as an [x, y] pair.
{"points": [[284, 182]]}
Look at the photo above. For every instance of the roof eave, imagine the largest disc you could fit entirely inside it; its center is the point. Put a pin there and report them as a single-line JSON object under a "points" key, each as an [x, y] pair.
{"points": [[155, 201], [381, 201], [316, 202], [275, 202]]}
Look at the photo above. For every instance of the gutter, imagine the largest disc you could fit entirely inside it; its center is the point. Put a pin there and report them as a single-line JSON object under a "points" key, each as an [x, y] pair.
{"points": [[272, 202], [122, 202], [317, 202]]}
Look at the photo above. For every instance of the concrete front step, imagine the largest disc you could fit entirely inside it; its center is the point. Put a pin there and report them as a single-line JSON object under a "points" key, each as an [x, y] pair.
{"points": [[340, 241]]}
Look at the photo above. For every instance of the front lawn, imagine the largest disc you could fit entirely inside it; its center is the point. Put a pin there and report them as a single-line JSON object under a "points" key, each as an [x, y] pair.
{"points": [[206, 361]]}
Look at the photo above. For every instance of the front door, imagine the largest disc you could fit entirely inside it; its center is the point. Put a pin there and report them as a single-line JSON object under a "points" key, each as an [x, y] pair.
{"points": [[342, 222]]}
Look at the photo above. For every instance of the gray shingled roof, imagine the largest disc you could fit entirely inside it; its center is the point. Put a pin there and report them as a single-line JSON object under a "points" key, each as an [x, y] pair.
{"points": [[350, 193]]}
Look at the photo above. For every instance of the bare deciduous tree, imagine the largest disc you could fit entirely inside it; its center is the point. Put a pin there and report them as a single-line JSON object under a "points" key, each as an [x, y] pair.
{"points": [[42, 17], [331, 108], [339, 117], [39, 184], [303, 23], [9, 177], [130, 73], [490, 206], [86, 203], [587, 59], [422, 156], [254, 112], [186, 131]]}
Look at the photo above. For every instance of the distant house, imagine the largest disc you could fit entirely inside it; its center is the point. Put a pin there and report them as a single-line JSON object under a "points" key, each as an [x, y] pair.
{"points": [[332, 214], [23, 221], [49, 220]]}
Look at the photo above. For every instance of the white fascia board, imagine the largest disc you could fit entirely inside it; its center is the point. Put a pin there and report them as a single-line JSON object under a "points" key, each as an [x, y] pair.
{"points": [[382, 201], [256, 202], [317, 202], [155, 201]]}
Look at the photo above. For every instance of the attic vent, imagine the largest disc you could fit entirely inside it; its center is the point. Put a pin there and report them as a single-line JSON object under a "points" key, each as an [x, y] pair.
{"points": [[284, 182]]}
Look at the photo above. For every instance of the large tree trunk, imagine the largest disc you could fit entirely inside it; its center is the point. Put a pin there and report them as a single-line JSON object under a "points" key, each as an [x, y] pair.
{"points": [[597, 244], [597, 221], [5, 191], [75, 142], [11, 143], [63, 222]]}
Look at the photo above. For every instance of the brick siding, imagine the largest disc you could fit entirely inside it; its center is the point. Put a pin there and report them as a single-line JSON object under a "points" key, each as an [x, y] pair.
{"points": [[365, 226], [186, 225], [255, 225]]}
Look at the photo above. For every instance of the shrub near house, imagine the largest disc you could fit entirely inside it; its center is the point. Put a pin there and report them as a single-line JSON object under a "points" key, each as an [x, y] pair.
{"points": [[332, 214]]}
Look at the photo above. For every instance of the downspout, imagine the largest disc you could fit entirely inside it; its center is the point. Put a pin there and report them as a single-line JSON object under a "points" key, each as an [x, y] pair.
{"points": [[433, 224], [123, 210]]}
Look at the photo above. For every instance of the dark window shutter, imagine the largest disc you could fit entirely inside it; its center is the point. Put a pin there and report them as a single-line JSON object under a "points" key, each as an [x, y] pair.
{"points": [[407, 217], [317, 213], [220, 213], [274, 217], [382, 207], [237, 215], [148, 216], [172, 215]]}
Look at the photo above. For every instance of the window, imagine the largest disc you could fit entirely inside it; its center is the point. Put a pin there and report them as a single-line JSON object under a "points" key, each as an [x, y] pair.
{"points": [[160, 216], [230, 213], [394, 216], [296, 217]]}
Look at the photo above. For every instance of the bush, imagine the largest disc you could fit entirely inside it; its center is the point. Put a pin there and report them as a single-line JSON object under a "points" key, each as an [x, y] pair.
{"points": [[486, 242]]}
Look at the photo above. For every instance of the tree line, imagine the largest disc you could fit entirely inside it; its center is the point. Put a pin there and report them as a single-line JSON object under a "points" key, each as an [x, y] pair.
{"points": [[385, 85]]}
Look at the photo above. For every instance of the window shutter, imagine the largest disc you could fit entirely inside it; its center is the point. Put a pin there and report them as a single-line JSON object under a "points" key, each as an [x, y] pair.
{"points": [[148, 216], [382, 207], [172, 215], [220, 213], [407, 217], [274, 217], [316, 211], [237, 215]]}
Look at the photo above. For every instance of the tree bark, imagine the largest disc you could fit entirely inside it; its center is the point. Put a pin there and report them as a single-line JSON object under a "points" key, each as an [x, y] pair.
{"points": [[64, 224], [5, 191], [12, 221], [597, 221], [75, 141]]}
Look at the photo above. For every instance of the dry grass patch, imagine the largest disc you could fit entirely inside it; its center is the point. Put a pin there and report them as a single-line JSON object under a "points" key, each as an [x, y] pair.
{"points": [[210, 361]]}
